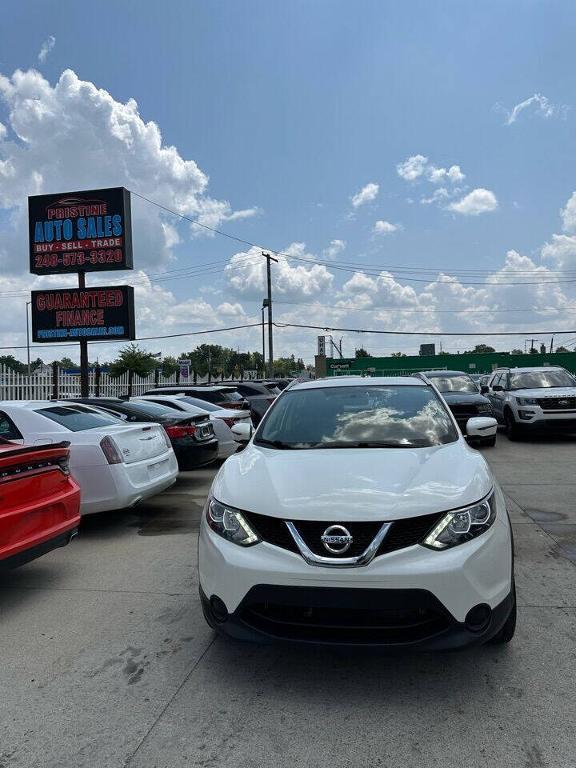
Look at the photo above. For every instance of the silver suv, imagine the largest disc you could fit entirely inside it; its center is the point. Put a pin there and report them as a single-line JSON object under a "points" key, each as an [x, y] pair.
{"points": [[530, 398]]}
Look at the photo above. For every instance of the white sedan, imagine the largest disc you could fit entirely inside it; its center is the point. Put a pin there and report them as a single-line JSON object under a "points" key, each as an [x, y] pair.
{"points": [[116, 465], [223, 419]]}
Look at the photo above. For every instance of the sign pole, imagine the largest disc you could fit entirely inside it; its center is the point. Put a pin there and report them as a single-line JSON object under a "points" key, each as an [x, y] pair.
{"points": [[84, 383]]}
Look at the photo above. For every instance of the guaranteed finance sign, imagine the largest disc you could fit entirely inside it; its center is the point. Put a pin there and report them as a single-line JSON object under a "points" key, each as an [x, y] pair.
{"points": [[80, 231], [72, 314]]}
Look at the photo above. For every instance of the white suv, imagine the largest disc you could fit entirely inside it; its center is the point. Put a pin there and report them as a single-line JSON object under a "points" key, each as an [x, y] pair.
{"points": [[358, 514], [531, 398]]}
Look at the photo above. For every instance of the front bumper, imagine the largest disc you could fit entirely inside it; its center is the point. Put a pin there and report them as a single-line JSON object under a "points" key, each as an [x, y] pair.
{"points": [[478, 572], [394, 618]]}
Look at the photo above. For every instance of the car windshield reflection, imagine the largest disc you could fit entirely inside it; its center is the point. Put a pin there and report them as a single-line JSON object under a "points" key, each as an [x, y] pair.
{"points": [[368, 416]]}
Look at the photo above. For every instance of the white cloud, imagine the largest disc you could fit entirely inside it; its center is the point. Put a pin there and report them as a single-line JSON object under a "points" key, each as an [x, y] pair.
{"points": [[385, 227], [46, 48], [412, 168], [246, 274], [336, 247], [74, 135], [366, 194], [568, 215], [537, 104], [476, 202], [418, 166], [562, 250]]}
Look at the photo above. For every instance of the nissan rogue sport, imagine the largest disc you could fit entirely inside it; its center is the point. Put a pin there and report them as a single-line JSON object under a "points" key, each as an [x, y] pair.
{"points": [[358, 514]]}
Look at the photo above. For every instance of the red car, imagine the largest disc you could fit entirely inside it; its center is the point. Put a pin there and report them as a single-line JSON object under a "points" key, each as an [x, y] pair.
{"points": [[39, 501]]}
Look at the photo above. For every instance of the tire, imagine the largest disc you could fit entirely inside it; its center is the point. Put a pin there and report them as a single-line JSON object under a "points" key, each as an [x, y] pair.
{"points": [[506, 634], [512, 428]]}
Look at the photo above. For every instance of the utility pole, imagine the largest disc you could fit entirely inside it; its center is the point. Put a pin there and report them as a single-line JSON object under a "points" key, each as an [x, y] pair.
{"points": [[264, 305], [551, 344], [270, 339], [28, 303]]}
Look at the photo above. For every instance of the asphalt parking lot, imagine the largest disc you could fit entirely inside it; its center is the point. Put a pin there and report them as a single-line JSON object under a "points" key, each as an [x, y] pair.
{"points": [[107, 661]]}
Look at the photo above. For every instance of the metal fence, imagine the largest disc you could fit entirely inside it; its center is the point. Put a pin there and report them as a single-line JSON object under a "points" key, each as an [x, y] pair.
{"points": [[50, 383], [379, 371]]}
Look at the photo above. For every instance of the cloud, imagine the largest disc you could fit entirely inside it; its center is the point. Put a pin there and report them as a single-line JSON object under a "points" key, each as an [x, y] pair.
{"points": [[366, 194], [74, 135], [46, 48], [476, 202], [336, 247], [561, 250], [418, 166], [568, 215], [385, 227], [538, 105], [246, 274]]}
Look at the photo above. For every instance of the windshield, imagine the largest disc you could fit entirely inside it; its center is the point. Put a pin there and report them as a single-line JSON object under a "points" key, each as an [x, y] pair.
{"points": [[454, 383], [77, 419], [359, 416], [145, 409], [541, 380], [203, 404]]}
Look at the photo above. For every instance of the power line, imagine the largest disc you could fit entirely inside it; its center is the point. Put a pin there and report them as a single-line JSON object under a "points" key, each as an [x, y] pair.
{"points": [[142, 338], [420, 333], [342, 266]]}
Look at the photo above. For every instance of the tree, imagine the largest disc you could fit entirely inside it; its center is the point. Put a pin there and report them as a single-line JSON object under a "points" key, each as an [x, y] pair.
{"points": [[517, 352], [133, 359], [480, 349], [15, 365], [67, 363], [169, 366], [562, 349], [397, 354], [362, 353]]}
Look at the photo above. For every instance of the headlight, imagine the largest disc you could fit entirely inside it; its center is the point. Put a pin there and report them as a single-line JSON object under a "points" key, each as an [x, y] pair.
{"points": [[230, 523], [462, 525], [526, 401]]}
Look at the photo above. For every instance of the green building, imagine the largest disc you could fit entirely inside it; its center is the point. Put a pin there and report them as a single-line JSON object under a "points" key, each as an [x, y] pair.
{"points": [[469, 362]]}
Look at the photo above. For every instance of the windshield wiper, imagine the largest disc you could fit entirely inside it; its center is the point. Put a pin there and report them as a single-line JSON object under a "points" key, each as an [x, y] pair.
{"points": [[363, 444], [276, 444]]}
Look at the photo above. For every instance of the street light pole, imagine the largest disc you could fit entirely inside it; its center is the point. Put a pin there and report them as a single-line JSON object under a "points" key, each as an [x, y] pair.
{"points": [[28, 303]]}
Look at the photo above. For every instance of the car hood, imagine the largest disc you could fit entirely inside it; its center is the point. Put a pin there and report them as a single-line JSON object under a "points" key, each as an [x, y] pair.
{"points": [[353, 484], [464, 397], [542, 392]]}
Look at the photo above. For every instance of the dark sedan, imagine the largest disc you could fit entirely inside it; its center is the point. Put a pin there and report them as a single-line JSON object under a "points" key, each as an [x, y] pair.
{"points": [[192, 437], [463, 398]]}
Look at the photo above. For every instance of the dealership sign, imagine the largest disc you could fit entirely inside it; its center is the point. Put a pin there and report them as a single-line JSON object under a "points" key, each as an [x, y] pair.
{"points": [[80, 231], [74, 314]]}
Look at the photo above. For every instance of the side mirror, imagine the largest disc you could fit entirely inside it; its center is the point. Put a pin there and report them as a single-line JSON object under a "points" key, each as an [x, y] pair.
{"points": [[497, 388], [484, 389], [481, 426], [242, 432]]}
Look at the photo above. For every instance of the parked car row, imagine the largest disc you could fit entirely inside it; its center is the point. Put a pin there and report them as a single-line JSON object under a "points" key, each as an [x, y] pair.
{"points": [[523, 400], [79, 456]]}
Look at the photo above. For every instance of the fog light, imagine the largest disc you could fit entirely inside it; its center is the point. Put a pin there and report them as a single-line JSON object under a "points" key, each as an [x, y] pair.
{"points": [[478, 618], [218, 608], [526, 415]]}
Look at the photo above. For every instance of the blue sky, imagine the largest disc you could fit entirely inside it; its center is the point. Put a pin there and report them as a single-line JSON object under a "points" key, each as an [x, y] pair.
{"points": [[292, 108]]}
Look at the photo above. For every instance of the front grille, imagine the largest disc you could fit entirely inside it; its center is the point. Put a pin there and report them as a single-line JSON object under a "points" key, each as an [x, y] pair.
{"points": [[341, 618], [272, 530], [401, 534], [362, 533], [557, 403]]}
